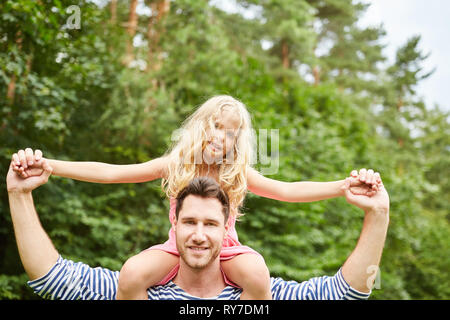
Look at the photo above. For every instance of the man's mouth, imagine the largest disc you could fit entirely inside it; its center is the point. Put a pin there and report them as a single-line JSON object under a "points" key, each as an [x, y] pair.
{"points": [[198, 248]]}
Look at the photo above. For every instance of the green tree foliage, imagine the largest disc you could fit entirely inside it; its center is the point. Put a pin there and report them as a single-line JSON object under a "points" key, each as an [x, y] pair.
{"points": [[81, 94]]}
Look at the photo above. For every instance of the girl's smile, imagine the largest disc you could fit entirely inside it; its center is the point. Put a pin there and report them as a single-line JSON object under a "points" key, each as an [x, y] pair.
{"points": [[222, 136]]}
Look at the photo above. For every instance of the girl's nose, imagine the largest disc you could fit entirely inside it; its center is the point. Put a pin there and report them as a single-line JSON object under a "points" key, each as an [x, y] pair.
{"points": [[219, 134]]}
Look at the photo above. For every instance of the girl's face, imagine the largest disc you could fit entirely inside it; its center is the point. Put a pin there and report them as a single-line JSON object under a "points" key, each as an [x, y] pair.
{"points": [[222, 137]]}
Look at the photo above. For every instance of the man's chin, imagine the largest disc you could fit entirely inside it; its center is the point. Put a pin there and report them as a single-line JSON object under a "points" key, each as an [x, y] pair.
{"points": [[199, 262], [196, 264]]}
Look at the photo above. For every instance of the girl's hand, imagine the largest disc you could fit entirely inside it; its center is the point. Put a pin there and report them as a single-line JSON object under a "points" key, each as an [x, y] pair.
{"points": [[377, 202], [366, 182], [367, 176], [23, 161]]}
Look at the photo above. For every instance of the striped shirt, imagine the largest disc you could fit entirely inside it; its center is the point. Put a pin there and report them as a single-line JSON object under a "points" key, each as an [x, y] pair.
{"points": [[68, 280]]}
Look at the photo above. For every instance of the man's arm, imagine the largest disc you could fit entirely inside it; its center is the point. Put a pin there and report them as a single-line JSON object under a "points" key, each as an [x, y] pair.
{"points": [[50, 275], [353, 280], [69, 280], [364, 260], [318, 288], [36, 250]]}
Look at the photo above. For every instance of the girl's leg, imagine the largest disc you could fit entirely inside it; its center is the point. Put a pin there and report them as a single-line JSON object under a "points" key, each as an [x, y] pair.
{"points": [[249, 271], [142, 271]]}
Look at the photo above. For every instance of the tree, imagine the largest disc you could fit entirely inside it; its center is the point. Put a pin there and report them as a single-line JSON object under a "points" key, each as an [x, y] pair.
{"points": [[304, 67], [347, 53]]}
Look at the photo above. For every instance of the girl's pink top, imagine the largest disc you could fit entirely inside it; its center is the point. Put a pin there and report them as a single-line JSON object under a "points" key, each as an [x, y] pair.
{"points": [[231, 246]]}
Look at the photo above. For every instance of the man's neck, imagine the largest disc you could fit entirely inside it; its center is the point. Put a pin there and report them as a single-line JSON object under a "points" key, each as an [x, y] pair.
{"points": [[203, 283]]}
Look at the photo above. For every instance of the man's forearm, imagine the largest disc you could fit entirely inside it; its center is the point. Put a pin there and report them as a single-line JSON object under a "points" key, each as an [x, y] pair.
{"points": [[36, 250], [360, 265]]}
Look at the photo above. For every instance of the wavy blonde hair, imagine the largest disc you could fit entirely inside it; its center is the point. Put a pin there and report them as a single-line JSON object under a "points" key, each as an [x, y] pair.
{"points": [[185, 157]]}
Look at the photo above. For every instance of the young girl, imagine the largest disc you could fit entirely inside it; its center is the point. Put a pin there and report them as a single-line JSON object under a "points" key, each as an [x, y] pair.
{"points": [[214, 141]]}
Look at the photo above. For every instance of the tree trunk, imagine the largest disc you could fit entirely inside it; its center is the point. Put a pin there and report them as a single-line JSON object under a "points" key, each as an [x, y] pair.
{"points": [[285, 54], [11, 91], [316, 74], [399, 105], [131, 30], [159, 10], [113, 10]]}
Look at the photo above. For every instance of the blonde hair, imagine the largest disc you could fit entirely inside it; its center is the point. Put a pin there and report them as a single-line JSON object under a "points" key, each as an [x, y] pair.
{"points": [[185, 157]]}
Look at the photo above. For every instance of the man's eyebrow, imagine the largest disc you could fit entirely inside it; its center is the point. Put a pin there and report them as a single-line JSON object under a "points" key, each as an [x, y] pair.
{"points": [[187, 218], [213, 221], [209, 220]]}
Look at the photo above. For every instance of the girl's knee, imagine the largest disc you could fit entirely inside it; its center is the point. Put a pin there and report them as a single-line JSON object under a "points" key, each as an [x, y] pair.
{"points": [[146, 269], [260, 269], [259, 276], [254, 278], [249, 269], [131, 274]]}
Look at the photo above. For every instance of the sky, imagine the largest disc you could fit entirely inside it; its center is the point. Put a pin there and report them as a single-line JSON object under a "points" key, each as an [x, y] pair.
{"points": [[403, 19]]}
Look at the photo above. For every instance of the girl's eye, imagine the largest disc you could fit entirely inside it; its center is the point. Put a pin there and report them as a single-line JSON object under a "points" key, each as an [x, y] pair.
{"points": [[216, 125]]}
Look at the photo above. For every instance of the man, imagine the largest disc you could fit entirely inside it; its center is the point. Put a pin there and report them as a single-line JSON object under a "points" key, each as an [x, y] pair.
{"points": [[200, 228]]}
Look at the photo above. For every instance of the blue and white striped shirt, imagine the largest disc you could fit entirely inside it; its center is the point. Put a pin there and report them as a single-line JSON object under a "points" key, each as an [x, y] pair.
{"points": [[68, 280]]}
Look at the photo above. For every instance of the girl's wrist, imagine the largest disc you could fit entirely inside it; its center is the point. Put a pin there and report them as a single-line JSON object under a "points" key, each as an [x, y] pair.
{"points": [[341, 191]]}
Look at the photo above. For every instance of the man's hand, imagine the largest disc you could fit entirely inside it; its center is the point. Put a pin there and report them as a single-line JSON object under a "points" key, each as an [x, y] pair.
{"points": [[378, 201], [23, 162], [16, 183], [366, 182]]}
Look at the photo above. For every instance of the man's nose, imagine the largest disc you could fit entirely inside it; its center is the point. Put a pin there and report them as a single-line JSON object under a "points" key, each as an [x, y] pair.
{"points": [[199, 233]]}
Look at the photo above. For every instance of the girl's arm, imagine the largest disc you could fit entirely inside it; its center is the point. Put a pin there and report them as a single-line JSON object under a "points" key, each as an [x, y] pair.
{"points": [[100, 172], [93, 171], [303, 191]]}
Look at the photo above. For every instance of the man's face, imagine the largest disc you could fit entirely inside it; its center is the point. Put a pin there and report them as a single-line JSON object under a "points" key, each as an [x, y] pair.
{"points": [[200, 230]]}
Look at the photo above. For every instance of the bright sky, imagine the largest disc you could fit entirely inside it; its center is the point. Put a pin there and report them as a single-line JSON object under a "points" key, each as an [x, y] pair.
{"points": [[431, 19]]}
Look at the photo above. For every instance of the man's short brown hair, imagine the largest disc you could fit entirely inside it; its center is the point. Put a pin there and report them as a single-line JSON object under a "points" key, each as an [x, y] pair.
{"points": [[204, 187]]}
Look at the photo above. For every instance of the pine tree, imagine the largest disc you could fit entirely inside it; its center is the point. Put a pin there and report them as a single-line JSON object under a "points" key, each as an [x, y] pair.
{"points": [[348, 54], [286, 25], [401, 106]]}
